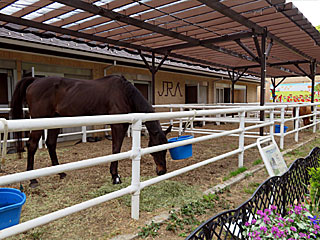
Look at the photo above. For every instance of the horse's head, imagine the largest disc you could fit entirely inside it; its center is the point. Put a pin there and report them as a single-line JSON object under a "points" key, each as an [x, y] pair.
{"points": [[157, 138]]}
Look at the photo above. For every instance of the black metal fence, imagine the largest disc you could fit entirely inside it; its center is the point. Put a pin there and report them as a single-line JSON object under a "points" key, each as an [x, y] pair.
{"points": [[279, 191]]}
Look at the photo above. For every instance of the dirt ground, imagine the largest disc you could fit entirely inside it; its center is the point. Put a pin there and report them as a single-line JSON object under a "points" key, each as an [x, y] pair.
{"points": [[112, 218]]}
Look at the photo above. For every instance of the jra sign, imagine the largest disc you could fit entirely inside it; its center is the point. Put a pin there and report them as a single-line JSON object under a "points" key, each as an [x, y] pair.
{"points": [[168, 89], [272, 156]]}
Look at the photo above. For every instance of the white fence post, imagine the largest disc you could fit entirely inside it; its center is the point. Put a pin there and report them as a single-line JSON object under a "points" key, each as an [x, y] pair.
{"points": [[129, 131], [45, 137], [204, 121], [296, 124], [171, 120], [5, 141], [180, 123], [271, 120], [191, 123], [314, 118], [241, 138], [136, 156], [218, 116], [282, 129], [40, 143], [84, 134]]}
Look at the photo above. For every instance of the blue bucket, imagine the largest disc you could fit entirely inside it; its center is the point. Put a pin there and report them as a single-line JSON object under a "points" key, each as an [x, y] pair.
{"points": [[277, 128], [181, 152], [11, 201]]}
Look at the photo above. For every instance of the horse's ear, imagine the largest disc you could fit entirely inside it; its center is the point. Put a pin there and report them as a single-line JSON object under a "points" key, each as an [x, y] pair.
{"points": [[168, 130]]}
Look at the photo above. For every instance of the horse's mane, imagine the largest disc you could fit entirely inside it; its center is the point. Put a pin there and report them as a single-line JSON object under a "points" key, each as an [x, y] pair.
{"points": [[135, 98]]}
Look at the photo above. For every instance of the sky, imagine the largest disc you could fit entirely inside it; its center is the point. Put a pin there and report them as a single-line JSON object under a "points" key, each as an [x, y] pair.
{"points": [[310, 9]]}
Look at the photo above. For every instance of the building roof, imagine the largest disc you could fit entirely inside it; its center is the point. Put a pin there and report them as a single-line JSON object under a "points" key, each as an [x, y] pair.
{"points": [[217, 34]]}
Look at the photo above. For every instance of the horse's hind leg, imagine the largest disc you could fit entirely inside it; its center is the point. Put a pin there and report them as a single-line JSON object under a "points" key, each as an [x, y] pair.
{"points": [[118, 133], [32, 145], [51, 143]]}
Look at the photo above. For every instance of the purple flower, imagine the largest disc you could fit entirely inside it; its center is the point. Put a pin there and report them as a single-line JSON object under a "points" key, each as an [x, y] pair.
{"points": [[267, 211], [263, 228], [302, 234], [280, 234], [261, 213], [273, 207], [280, 224], [274, 229], [289, 227], [266, 219], [298, 209], [293, 229], [290, 220]]}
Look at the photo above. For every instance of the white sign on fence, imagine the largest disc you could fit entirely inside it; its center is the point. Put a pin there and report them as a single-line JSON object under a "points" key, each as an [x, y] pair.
{"points": [[272, 156]]}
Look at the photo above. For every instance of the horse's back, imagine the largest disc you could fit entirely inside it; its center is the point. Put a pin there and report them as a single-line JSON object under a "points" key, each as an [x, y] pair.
{"points": [[56, 96], [304, 110]]}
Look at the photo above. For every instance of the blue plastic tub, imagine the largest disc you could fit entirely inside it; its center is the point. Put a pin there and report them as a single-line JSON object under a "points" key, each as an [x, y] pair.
{"points": [[11, 201], [181, 152], [277, 128]]}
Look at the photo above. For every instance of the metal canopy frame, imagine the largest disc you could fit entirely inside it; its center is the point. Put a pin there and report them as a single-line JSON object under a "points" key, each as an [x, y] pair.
{"points": [[265, 38]]}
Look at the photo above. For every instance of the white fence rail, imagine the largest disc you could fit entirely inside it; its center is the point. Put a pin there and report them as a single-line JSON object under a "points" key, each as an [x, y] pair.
{"points": [[281, 112], [135, 153]]}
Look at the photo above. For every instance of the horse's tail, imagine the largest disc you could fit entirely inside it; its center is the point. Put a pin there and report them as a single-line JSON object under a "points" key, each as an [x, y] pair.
{"points": [[18, 98]]}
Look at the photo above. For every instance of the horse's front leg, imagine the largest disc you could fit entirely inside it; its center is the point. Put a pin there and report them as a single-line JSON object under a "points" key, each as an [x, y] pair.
{"points": [[118, 134], [51, 143], [32, 145]]}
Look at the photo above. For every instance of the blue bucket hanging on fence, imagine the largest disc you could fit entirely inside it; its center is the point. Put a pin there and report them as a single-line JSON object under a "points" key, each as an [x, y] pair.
{"points": [[181, 152], [11, 201], [277, 128]]}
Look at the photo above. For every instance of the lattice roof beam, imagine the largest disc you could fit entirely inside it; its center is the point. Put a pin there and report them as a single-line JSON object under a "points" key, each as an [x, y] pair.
{"points": [[225, 38], [6, 3], [50, 28], [32, 8], [144, 25], [274, 64], [126, 19], [217, 6]]}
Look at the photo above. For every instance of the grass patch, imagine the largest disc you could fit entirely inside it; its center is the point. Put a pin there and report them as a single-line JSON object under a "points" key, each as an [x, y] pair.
{"points": [[303, 151], [235, 173], [257, 162], [164, 194], [36, 234], [251, 188], [184, 220], [149, 230]]}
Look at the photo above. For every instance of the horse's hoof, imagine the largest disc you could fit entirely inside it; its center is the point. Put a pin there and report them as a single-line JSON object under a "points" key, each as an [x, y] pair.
{"points": [[33, 183], [62, 175], [116, 180], [109, 137]]}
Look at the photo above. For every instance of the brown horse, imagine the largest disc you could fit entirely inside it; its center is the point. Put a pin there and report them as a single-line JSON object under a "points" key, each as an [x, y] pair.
{"points": [[305, 110], [62, 97]]}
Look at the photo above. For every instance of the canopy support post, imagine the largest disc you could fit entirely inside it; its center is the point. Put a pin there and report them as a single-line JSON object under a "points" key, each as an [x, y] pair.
{"points": [[263, 64], [153, 70]]}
